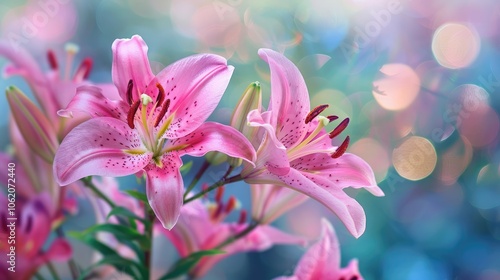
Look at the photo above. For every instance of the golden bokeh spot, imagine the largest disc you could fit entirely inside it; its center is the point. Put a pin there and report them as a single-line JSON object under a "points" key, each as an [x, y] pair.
{"points": [[415, 158]]}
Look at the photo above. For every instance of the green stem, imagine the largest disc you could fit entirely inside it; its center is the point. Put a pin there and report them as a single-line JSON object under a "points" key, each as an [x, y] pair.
{"points": [[88, 183], [73, 267], [53, 271], [148, 231], [253, 225], [197, 177], [217, 184]]}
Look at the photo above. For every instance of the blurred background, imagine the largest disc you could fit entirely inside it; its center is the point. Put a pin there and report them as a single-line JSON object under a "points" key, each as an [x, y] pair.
{"points": [[420, 81]]}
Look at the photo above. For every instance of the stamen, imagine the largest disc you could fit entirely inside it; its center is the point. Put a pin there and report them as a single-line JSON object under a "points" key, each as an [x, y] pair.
{"points": [[217, 211], [71, 51], [231, 204], [83, 70], [130, 87], [219, 193], [52, 60], [243, 217], [339, 128], [131, 114], [342, 148], [315, 112], [332, 118], [162, 113], [161, 94]]}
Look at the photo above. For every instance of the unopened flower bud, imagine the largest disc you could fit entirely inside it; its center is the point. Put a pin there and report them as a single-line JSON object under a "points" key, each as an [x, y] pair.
{"points": [[33, 124]]}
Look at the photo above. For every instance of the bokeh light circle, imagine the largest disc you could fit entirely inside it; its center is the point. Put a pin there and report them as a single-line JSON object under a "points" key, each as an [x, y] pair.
{"points": [[415, 158], [455, 45], [397, 87]]}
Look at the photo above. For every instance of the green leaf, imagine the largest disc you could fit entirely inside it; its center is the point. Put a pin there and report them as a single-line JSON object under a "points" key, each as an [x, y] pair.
{"points": [[119, 231], [135, 270], [121, 211], [183, 265], [186, 167], [138, 195], [111, 257]]}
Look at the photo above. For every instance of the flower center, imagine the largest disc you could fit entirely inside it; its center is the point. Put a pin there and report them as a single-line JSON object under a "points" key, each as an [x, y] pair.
{"points": [[81, 73], [307, 145], [149, 118]]}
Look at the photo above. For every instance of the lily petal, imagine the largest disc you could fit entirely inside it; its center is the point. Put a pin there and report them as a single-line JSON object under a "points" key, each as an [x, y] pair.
{"points": [[322, 260], [34, 126], [25, 65], [211, 136], [271, 201], [102, 146], [130, 62], [194, 86], [90, 100], [271, 153], [347, 171], [289, 98], [34, 227], [260, 239], [165, 189], [346, 208]]}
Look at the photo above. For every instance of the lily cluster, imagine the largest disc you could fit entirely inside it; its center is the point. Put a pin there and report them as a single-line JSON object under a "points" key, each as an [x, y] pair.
{"points": [[143, 124]]}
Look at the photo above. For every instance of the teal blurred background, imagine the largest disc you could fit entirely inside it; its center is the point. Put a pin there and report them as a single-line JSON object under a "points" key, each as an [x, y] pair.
{"points": [[420, 81]]}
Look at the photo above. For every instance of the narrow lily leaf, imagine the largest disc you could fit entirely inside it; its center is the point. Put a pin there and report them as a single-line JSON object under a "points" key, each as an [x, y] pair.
{"points": [[111, 257], [138, 195], [135, 270], [183, 265], [120, 232], [33, 124], [124, 212]]}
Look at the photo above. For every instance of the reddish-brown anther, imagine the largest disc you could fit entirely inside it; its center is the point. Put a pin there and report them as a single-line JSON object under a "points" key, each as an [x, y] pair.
{"points": [[130, 87], [52, 60], [342, 148], [243, 217], [219, 193], [131, 113], [315, 112], [341, 127], [161, 94], [162, 113], [231, 204], [332, 118], [217, 211], [85, 67]]}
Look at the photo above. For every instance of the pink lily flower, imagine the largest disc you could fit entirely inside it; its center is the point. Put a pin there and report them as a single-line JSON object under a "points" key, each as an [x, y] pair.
{"points": [[296, 151], [33, 227], [156, 120], [201, 227], [41, 127], [322, 260]]}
